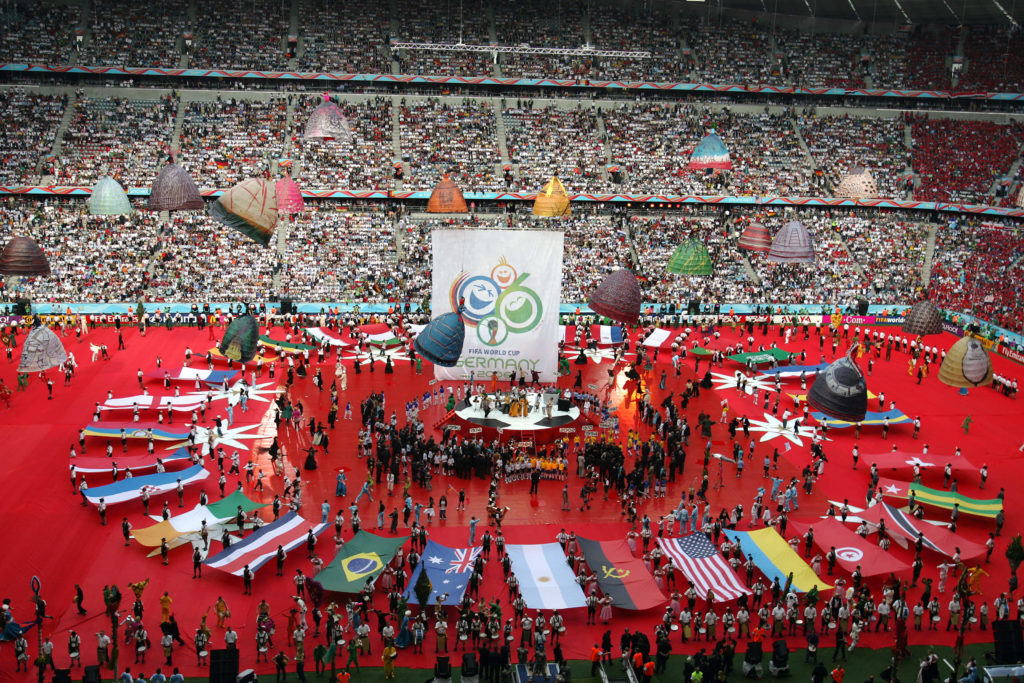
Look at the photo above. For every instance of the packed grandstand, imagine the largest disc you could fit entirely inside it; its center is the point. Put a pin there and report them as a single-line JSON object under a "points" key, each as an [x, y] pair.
{"points": [[112, 86]]}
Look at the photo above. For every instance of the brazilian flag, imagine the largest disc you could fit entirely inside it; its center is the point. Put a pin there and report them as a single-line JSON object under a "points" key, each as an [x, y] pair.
{"points": [[362, 558]]}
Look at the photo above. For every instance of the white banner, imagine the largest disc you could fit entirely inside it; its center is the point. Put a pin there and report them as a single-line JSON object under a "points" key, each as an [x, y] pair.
{"points": [[510, 284]]}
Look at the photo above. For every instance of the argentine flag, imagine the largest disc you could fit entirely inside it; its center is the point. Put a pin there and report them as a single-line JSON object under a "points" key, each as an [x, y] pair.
{"points": [[545, 579]]}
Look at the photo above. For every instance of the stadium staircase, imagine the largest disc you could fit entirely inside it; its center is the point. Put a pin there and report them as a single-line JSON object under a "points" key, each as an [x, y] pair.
{"points": [[501, 132], [293, 30], [492, 35], [396, 142], [393, 29], [83, 26], [602, 132], [929, 255], [65, 122], [192, 13]]}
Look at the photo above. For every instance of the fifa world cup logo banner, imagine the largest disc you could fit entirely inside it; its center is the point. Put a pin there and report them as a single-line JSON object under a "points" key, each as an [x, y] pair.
{"points": [[509, 284]]}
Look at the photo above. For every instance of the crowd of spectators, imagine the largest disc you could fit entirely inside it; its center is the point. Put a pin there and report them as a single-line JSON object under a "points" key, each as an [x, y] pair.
{"points": [[426, 21], [343, 38], [838, 143], [994, 60], [198, 259], [820, 60], [926, 60], [335, 254], [554, 141], [241, 34], [28, 134], [971, 267], [132, 34], [890, 247], [958, 160], [38, 33], [92, 258], [364, 163], [595, 245], [455, 138], [534, 23], [731, 51], [633, 27], [225, 141], [116, 135]]}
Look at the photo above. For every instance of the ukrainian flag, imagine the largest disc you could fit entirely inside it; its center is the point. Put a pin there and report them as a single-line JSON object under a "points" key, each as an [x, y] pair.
{"points": [[773, 556]]}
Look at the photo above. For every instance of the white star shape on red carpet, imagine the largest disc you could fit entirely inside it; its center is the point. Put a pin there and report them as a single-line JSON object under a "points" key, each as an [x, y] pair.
{"points": [[230, 437], [723, 382], [395, 353], [597, 355], [771, 427]]}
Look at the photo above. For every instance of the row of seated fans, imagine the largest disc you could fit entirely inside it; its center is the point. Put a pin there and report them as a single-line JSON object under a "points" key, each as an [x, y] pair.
{"points": [[225, 140], [355, 38]]}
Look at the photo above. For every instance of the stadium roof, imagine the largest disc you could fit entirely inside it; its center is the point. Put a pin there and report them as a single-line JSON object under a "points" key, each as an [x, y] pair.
{"points": [[993, 12]]}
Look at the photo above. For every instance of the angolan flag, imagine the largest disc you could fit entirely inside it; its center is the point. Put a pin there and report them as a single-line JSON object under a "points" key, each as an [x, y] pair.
{"points": [[620, 575], [289, 532]]}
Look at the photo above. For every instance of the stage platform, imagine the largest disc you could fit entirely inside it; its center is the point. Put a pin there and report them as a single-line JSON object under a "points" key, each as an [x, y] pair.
{"points": [[556, 417]]}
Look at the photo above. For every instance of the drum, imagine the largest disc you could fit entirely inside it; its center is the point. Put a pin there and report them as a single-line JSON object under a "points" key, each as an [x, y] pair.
{"points": [[674, 627], [799, 622], [732, 629], [463, 637], [547, 631], [936, 618], [561, 629], [204, 653], [702, 630], [833, 625], [510, 638]]}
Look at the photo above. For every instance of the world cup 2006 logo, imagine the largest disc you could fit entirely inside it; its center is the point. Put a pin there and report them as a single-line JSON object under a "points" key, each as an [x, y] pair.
{"points": [[498, 304]]}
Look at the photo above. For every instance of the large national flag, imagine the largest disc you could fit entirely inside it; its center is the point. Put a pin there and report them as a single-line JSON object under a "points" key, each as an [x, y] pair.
{"points": [[192, 374], [361, 559], [620, 575], [851, 550], [130, 489], [216, 355], [322, 334], [658, 337], [545, 579], [870, 419], [289, 532], [448, 570], [903, 462], [379, 334], [607, 334], [788, 371], [223, 510], [286, 345], [937, 538], [144, 402], [134, 463], [981, 507], [138, 430], [773, 556], [758, 357], [703, 565]]}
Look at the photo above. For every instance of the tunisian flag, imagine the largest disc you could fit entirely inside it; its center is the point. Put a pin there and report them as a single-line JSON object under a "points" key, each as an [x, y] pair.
{"points": [[621, 575], [851, 549]]}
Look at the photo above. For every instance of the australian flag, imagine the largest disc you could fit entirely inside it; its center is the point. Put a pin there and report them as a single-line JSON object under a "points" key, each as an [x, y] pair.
{"points": [[448, 570]]}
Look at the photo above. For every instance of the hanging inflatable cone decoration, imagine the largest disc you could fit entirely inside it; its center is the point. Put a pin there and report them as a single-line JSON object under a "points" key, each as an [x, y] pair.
{"points": [[22, 256], [41, 351], [690, 258], [174, 190], [249, 207], [241, 338], [923, 318], [289, 196], [792, 245], [446, 198], [108, 198], [618, 297], [966, 365], [711, 152], [755, 238], [328, 123], [858, 184], [552, 201], [442, 339], [840, 391]]}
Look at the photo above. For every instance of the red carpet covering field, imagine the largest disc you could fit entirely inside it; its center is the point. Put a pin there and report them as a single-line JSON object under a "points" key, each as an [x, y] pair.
{"points": [[49, 534]]}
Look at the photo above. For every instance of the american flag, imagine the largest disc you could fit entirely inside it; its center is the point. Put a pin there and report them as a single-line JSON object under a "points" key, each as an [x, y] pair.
{"points": [[463, 562], [702, 564]]}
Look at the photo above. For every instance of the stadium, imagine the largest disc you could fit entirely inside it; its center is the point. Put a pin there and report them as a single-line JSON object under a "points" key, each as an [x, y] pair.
{"points": [[334, 298]]}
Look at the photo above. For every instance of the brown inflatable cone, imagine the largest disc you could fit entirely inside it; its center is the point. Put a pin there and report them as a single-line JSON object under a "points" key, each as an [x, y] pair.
{"points": [[618, 297], [966, 365], [22, 256], [552, 201], [447, 198]]}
